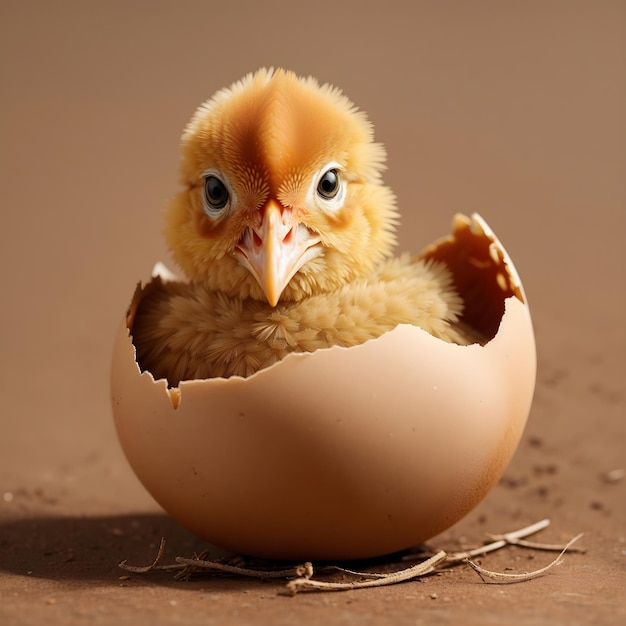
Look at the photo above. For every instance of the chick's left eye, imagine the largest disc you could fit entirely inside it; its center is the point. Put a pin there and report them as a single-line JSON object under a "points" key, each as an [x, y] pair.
{"points": [[329, 184], [215, 192]]}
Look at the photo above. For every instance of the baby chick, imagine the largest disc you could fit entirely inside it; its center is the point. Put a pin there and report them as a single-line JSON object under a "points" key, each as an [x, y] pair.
{"points": [[285, 232]]}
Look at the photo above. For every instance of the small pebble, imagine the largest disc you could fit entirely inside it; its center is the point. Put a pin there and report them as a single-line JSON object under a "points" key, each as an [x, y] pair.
{"points": [[611, 477]]}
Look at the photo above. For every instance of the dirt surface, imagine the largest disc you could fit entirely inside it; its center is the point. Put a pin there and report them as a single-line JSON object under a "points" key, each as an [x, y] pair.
{"points": [[516, 109]]}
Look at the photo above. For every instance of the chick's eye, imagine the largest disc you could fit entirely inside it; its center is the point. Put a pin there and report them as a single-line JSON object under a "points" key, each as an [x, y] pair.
{"points": [[215, 193], [328, 185]]}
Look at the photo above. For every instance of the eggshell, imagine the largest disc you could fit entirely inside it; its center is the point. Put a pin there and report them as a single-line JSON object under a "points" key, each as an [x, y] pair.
{"points": [[344, 452]]}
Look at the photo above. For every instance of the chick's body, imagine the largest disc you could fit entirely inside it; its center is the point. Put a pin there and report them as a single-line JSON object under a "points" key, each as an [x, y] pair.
{"points": [[187, 331], [285, 232]]}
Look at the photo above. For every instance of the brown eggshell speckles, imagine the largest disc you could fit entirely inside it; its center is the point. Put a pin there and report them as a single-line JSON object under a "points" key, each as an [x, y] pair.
{"points": [[344, 452]]}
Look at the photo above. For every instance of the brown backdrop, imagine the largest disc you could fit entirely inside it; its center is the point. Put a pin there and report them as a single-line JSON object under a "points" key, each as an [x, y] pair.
{"points": [[513, 109]]}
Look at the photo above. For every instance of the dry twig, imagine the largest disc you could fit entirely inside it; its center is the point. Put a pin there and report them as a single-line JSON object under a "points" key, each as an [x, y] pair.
{"points": [[513, 578], [300, 577], [421, 569]]}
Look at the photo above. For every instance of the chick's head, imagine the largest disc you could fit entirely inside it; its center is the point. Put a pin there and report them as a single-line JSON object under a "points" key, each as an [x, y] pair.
{"points": [[283, 195]]}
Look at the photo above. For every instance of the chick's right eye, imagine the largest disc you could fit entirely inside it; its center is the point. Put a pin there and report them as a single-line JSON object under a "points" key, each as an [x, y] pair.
{"points": [[328, 185], [215, 193]]}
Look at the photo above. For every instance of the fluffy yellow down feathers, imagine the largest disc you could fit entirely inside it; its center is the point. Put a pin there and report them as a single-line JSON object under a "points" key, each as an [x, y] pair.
{"points": [[285, 231]]}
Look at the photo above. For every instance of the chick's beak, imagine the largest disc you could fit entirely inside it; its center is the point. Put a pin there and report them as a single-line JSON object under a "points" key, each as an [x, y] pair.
{"points": [[276, 249]]}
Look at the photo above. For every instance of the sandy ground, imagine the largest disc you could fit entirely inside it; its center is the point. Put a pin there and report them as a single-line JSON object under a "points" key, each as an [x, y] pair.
{"points": [[516, 109]]}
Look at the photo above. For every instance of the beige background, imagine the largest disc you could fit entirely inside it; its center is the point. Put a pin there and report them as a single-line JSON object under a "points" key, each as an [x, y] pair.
{"points": [[513, 109]]}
